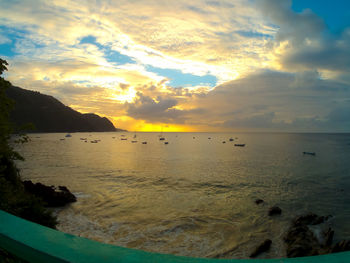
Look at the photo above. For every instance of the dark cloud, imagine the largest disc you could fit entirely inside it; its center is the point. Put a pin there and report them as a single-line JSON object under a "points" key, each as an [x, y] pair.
{"points": [[311, 45], [159, 110], [274, 100], [124, 86], [256, 121], [146, 108]]}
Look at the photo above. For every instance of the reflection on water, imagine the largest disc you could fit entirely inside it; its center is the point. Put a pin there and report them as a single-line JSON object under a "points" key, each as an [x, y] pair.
{"points": [[194, 196]]}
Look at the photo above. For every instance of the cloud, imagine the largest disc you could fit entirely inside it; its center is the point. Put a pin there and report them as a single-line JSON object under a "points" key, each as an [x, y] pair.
{"points": [[274, 68], [303, 41], [146, 108], [273, 100]]}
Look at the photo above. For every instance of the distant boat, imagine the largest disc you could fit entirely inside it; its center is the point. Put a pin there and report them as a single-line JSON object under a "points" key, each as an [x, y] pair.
{"points": [[123, 139], [161, 138], [310, 153], [94, 141], [68, 135], [133, 141], [144, 142], [209, 138], [166, 142], [239, 144], [61, 139], [224, 142], [83, 139], [231, 139]]}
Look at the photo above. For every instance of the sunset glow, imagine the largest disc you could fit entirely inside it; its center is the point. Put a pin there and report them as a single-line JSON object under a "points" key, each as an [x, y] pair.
{"points": [[209, 65]]}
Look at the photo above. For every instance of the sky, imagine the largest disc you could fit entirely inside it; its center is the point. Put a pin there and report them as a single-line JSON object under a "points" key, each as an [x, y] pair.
{"points": [[201, 65]]}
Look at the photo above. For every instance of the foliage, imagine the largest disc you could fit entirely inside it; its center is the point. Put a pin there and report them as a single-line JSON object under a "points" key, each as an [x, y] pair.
{"points": [[13, 198]]}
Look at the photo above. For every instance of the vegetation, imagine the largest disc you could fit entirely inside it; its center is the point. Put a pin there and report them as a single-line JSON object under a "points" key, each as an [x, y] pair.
{"points": [[13, 198], [56, 117]]}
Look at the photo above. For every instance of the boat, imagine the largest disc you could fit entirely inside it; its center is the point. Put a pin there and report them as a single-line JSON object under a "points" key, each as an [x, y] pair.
{"points": [[310, 153], [224, 142], [133, 141], [240, 144], [123, 139], [161, 138], [166, 142], [94, 141], [231, 139], [68, 135], [144, 142]]}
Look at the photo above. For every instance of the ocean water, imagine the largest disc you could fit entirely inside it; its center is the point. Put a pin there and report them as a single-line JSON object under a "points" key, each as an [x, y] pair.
{"points": [[194, 196]]}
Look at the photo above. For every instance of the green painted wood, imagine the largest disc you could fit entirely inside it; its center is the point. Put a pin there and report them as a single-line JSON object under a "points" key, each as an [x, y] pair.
{"points": [[36, 243]]}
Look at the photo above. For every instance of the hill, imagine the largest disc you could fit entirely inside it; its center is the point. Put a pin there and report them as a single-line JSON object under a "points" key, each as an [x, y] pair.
{"points": [[48, 114]]}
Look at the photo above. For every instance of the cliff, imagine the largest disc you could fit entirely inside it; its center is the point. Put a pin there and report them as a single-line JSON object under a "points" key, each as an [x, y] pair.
{"points": [[48, 114]]}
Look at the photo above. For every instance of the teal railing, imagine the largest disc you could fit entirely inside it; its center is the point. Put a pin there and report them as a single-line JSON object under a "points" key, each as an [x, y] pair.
{"points": [[35, 243]]}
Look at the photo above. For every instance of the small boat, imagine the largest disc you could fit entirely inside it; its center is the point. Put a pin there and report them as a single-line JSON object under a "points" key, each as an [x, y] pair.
{"points": [[144, 142], [224, 142], [123, 139], [166, 142], [310, 153], [231, 139], [239, 144], [94, 141], [61, 139], [133, 141], [83, 139], [209, 138], [161, 138], [68, 135]]}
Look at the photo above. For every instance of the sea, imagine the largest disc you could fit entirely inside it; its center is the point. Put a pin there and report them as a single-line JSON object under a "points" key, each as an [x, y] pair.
{"points": [[194, 196]]}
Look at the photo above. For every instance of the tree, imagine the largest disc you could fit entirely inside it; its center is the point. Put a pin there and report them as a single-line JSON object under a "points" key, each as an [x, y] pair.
{"points": [[13, 198]]}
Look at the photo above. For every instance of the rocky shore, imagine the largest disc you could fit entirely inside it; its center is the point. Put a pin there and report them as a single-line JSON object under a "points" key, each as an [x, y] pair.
{"points": [[52, 196], [308, 235]]}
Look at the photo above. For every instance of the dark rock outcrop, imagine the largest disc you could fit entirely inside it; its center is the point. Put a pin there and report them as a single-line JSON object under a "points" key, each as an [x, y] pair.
{"points": [[275, 210], [341, 246], [263, 247], [48, 114], [259, 201], [51, 196], [302, 241]]}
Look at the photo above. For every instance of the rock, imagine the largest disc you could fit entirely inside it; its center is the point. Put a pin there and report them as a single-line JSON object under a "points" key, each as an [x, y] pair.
{"points": [[305, 238], [329, 234], [301, 242], [275, 210], [263, 247], [341, 246], [310, 219], [49, 194], [259, 201]]}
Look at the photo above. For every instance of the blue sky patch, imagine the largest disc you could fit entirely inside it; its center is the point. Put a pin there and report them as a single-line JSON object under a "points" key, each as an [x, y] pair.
{"points": [[250, 34], [110, 55], [179, 79], [335, 13], [7, 50]]}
